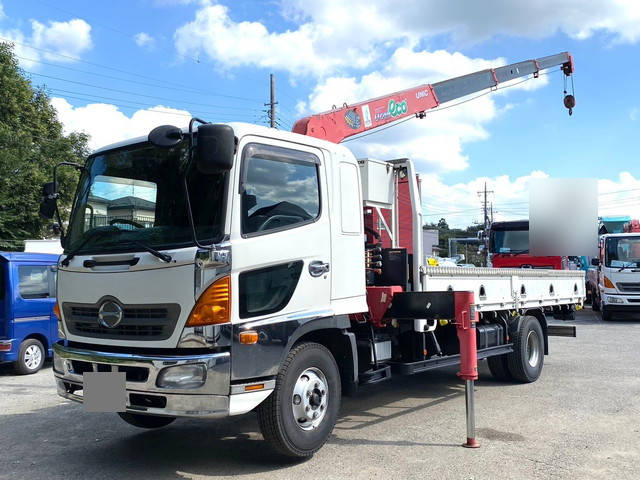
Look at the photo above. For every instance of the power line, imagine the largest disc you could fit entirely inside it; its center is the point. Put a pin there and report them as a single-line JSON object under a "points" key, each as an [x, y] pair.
{"points": [[134, 93], [126, 72]]}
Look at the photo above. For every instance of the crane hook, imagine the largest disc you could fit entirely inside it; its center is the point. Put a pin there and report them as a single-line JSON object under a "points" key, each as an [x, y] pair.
{"points": [[570, 102]]}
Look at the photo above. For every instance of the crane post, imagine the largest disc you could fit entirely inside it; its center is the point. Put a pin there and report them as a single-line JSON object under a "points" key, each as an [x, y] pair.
{"points": [[466, 318]]}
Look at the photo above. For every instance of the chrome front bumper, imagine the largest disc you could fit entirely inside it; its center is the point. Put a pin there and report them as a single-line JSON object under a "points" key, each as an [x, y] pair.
{"points": [[143, 395]]}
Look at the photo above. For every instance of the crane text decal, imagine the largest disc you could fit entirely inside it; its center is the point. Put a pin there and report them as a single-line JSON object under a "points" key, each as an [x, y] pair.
{"points": [[393, 110], [352, 119]]}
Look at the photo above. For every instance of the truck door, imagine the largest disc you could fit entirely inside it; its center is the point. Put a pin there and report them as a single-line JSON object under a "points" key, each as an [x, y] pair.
{"points": [[280, 236], [33, 300], [4, 299]]}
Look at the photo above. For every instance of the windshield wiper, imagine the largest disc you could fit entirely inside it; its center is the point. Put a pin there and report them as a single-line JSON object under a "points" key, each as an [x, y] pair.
{"points": [[162, 256], [102, 232], [631, 265]]}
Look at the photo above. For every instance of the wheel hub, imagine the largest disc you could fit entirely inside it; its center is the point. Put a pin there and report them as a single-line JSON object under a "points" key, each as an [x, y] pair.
{"points": [[32, 357], [310, 398], [533, 348]]}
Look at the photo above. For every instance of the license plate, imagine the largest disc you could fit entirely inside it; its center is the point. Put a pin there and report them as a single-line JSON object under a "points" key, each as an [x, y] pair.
{"points": [[104, 392]]}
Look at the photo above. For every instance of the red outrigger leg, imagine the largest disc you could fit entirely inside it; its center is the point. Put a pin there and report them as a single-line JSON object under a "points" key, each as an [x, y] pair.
{"points": [[466, 318]]}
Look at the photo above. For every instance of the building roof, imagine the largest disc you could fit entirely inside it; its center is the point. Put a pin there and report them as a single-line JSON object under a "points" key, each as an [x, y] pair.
{"points": [[136, 202]]}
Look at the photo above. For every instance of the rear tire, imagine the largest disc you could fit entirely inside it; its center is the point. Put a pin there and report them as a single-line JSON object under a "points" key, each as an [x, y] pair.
{"points": [[299, 415], [30, 357], [145, 421], [526, 360], [499, 368]]}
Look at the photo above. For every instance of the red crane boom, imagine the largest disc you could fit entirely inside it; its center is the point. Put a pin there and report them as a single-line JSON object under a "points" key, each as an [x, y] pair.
{"points": [[341, 123]]}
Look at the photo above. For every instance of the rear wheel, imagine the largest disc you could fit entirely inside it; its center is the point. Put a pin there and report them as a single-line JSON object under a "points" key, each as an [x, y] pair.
{"points": [[526, 361], [30, 357], [299, 415], [145, 421], [499, 368]]}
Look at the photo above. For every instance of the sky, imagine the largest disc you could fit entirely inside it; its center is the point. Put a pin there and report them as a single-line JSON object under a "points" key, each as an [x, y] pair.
{"points": [[117, 69]]}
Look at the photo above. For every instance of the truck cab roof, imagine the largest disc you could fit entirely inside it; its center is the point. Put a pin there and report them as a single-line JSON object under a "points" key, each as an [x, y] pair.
{"points": [[241, 129], [29, 257]]}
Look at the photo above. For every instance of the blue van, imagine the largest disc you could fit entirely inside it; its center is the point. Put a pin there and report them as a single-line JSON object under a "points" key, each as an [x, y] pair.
{"points": [[28, 327]]}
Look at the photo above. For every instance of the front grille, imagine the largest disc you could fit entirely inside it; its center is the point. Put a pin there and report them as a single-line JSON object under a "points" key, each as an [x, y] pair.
{"points": [[139, 322], [631, 287], [132, 374]]}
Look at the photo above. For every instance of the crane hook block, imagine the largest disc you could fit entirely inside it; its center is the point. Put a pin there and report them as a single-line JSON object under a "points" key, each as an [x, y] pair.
{"points": [[570, 102]]}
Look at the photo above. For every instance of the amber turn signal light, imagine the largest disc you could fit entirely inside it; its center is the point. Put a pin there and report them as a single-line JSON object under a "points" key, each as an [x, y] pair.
{"points": [[214, 305], [249, 337], [56, 311], [608, 283]]}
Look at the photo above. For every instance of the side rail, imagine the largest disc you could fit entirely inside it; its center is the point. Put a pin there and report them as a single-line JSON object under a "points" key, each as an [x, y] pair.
{"points": [[509, 288]]}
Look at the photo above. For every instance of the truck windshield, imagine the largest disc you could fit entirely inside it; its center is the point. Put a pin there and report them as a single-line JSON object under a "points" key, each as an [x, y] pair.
{"points": [[509, 241], [136, 195], [623, 252]]}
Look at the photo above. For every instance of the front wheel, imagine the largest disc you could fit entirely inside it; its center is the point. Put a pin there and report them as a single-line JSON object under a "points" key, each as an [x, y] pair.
{"points": [[526, 360], [145, 421], [595, 303], [606, 316], [299, 415], [30, 357]]}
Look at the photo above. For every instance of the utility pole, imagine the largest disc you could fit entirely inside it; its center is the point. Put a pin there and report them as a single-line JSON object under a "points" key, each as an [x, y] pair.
{"points": [[487, 220], [272, 104]]}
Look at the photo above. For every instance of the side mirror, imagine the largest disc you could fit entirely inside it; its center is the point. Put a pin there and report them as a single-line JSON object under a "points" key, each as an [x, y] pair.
{"points": [[216, 147], [595, 262], [48, 205], [49, 189]]}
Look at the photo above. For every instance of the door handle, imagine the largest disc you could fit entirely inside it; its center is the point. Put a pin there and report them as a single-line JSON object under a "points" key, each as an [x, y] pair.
{"points": [[318, 268]]}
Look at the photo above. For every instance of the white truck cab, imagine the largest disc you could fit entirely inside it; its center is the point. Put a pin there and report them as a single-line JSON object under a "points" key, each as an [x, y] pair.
{"points": [[616, 275]]}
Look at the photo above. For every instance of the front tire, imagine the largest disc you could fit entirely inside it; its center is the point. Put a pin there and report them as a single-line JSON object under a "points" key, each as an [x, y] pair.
{"points": [[30, 357], [299, 415], [145, 421], [595, 303], [606, 316], [526, 360]]}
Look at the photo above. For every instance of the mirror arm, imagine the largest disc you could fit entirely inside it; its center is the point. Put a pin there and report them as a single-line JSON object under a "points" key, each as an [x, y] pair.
{"points": [[56, 195], [186, 186]]}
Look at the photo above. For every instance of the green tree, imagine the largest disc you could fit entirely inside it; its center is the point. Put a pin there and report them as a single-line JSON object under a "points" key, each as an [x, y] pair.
{"points": [[31, 144]]}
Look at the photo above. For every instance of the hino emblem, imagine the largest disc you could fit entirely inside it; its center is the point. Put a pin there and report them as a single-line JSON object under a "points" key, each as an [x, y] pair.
{"points": [[110, 314]]}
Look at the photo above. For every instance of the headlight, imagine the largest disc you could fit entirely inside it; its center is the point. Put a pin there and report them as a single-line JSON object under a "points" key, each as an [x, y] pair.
{"points": [[182, 376], [611, 299]]}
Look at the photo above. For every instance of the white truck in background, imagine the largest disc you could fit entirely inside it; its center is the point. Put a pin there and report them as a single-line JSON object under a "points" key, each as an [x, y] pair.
{"points": [[614, 277]]}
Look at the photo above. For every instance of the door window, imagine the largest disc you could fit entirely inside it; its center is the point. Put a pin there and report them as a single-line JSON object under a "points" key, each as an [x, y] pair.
{"points": [[280, 189], [34, 281], [268, 290]]}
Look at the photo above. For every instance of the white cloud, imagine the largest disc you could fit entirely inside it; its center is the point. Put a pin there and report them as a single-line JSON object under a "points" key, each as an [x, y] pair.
{"points": [[460, 203], [332, 35], [143, 39], [2, 14], [312, 48], [68, 39], [477, 21], [106, 124]]}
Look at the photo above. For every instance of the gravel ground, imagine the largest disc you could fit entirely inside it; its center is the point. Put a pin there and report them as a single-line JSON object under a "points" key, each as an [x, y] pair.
{"points": [[579, 420]]}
